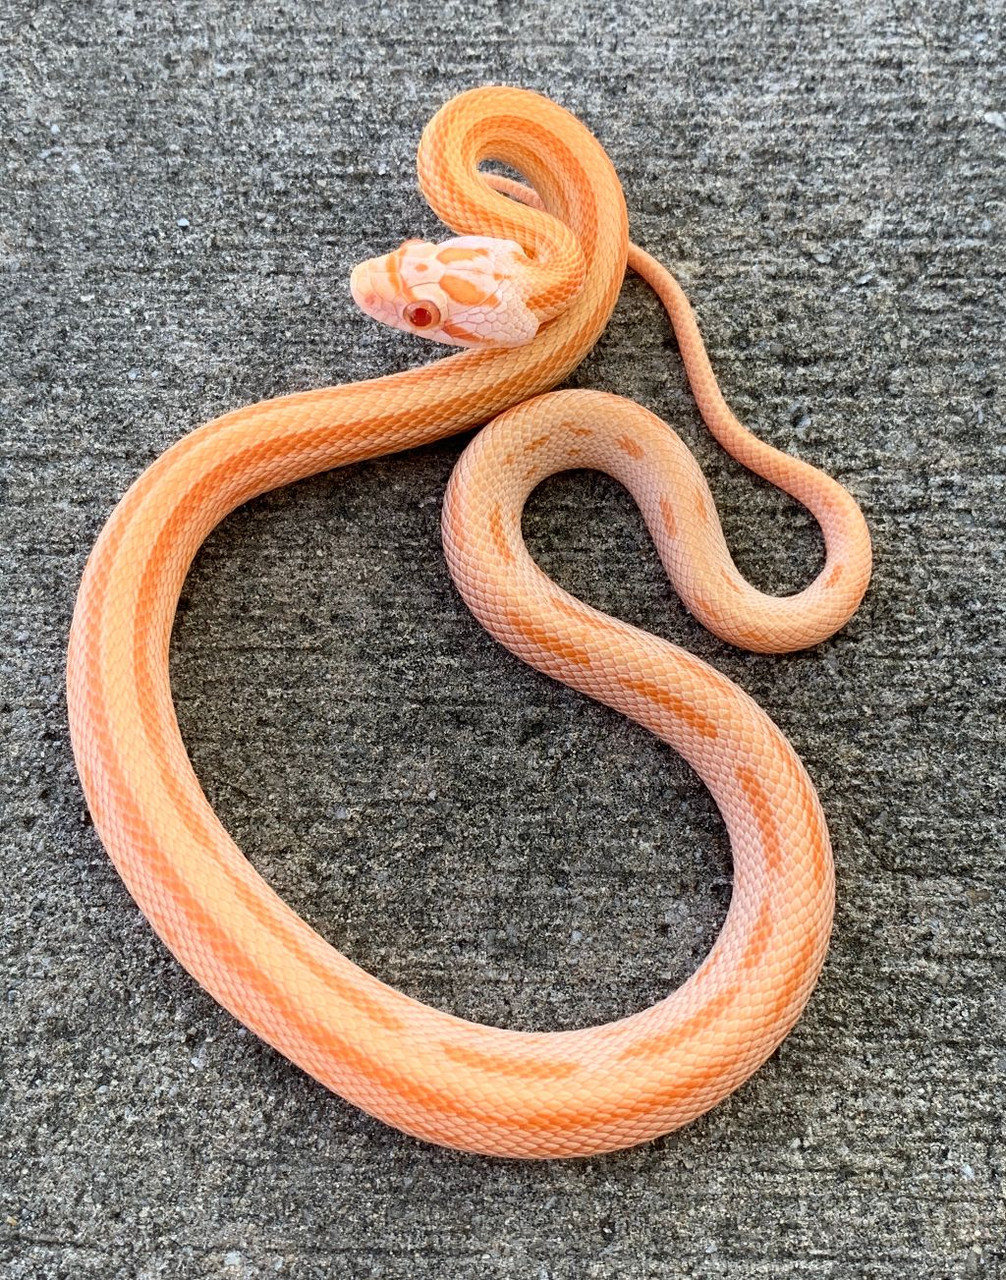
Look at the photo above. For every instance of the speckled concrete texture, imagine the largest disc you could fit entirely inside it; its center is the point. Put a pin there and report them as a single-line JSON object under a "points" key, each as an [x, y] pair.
{"points": [[184, 190]]}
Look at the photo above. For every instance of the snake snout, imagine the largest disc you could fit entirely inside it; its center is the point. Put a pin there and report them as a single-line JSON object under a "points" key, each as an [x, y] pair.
{"points": [[361, 287], [376, 287]]}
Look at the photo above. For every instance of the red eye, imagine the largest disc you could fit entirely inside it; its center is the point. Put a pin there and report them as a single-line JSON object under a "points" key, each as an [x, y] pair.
{"points": [[422, 315]]}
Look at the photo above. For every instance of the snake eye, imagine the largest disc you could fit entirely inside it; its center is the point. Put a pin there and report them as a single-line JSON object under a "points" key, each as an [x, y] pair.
{"points": [[422, 315]]}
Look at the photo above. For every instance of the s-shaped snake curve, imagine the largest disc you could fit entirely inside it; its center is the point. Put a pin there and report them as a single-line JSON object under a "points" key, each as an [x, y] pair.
{"points": [[443, 1079]]}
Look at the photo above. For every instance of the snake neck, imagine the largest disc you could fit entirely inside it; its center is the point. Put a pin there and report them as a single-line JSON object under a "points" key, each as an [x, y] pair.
{"points": [[577, 242]]}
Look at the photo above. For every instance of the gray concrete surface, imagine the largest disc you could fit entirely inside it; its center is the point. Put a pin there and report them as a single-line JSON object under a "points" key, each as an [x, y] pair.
{"points": [[184, 189]]}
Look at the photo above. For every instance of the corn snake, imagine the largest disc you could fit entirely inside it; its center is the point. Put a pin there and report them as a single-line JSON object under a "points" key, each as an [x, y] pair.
{"points": [[476, 1087]]}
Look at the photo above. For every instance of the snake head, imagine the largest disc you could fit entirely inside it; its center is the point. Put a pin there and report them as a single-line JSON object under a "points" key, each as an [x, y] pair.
{"points": [[465, 292]]}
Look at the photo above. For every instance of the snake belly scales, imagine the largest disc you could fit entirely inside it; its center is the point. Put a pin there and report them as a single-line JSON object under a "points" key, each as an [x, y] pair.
{"points": [[461, 1084]]}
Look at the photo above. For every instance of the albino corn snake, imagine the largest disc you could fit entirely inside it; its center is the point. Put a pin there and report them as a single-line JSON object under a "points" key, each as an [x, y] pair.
{"points": [[433, 1075]]}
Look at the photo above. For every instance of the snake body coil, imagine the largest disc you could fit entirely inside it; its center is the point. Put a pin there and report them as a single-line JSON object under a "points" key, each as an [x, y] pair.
{"points": [[476, 1087]]}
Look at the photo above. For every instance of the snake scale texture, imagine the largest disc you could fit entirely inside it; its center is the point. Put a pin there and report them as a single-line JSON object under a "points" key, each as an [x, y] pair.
{"points": [[528, 287]]}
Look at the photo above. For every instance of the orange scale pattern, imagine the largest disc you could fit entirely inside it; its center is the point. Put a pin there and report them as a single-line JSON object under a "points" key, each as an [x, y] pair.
{"points": [[474, 1087]]}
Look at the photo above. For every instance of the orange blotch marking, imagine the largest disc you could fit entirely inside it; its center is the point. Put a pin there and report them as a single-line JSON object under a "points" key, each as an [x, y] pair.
{"points": [[701, 506], [449, 256], [834, 576], [462, 290], [393, 271], [794, 978], [706, 673], [659, 1045], [667, 515], [758, 939], [629, 446], [728, 578], [537, 443], [495, 1065], [755, 948], [541, 638], [499, 537], [455, 330], [675, 704], [573, 610], [758, 799]]}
